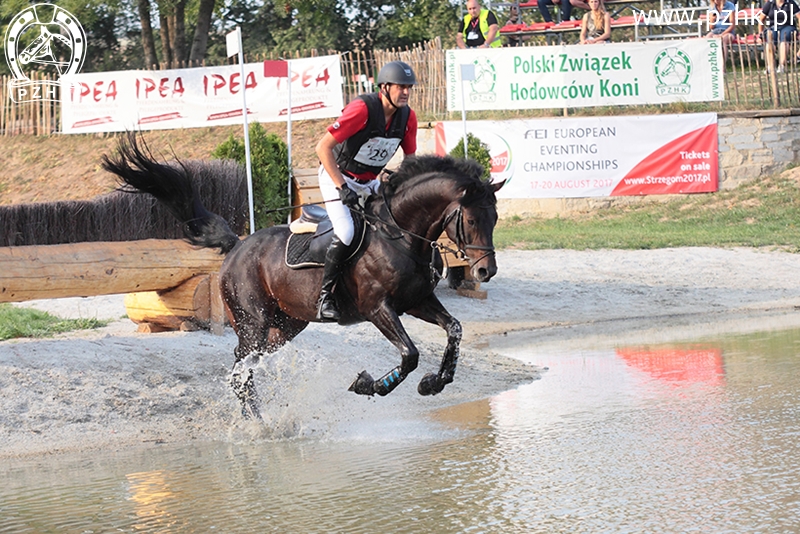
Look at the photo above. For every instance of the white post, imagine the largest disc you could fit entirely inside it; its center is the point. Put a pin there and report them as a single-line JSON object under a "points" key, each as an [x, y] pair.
{"points": [[289, 134], [467, 75], [246, 134], [234, 46]]}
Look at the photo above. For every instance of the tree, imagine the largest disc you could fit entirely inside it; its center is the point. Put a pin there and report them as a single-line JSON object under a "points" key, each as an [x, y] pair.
{"points": [[306, 24], [200, 41], [177, 31], [148, 43], [369, 16], [422, 20]]}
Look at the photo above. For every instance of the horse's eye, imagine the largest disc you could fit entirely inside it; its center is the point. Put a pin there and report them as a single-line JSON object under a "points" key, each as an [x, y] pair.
{"points": [[471, 222]]}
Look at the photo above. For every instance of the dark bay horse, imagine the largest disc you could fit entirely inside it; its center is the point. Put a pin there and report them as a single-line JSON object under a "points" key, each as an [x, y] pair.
{"points": [[268, 303]]}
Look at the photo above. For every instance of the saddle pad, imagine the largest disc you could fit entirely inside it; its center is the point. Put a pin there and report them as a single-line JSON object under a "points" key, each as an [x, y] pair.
{"points": [[308, 250], [298, 255]]}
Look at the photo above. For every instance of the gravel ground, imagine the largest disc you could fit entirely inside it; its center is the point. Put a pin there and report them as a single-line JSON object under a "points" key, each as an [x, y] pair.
{"points": [[113, 387]]}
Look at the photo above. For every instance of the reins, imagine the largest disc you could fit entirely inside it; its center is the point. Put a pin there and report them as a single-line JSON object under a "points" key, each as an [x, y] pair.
{"points": [[462, 246]]}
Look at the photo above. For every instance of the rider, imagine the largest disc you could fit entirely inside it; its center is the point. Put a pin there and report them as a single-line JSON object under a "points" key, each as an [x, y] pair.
{"points": [[352, 153]]}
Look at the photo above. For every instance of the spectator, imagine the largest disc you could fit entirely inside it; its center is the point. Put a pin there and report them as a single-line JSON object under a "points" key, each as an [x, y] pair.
{"points": [[720, 20], [478, 28], [565, 5], [596, 25], [513, 19], [780, 18]]}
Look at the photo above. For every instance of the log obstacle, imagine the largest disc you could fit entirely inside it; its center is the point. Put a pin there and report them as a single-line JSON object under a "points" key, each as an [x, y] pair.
{"points": [[188, 306], [168, 282]]}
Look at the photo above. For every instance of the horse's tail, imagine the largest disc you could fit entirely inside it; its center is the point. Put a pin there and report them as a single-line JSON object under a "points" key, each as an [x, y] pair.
{"points": [[172, 186]]}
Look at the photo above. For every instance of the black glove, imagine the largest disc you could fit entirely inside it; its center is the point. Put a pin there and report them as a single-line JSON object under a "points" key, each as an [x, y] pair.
{"points": [[349, 197]]}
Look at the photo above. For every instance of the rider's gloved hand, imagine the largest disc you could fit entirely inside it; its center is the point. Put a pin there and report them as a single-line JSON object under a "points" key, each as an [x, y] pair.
{"points": [[349, 197]]}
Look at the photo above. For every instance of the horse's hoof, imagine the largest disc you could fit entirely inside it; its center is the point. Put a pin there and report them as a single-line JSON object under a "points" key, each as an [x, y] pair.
{"points": [[363, 384], [429, 385]]}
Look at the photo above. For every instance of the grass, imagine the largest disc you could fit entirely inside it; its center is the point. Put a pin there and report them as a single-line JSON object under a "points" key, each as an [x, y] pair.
{"points": [[764, 212], [26, 322]]}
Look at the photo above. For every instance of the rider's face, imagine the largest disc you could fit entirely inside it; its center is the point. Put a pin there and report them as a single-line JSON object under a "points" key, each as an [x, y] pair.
{"points": [[399, 93]]}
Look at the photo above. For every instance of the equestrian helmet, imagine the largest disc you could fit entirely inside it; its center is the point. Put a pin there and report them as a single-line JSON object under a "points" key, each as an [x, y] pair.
{"points": [[397, 72]]}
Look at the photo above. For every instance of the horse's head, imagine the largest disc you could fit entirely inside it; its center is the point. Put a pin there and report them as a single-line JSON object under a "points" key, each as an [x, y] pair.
{"points": [[470, 223], [429, 194]]}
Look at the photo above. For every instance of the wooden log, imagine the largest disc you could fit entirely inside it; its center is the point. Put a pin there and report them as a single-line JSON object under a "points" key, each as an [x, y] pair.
{"points": [[217, 318], [190, 301], [102, 268]]}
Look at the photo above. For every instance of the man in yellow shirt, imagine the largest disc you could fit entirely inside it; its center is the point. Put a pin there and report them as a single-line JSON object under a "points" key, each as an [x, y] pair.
{"points": [[478, 28]]}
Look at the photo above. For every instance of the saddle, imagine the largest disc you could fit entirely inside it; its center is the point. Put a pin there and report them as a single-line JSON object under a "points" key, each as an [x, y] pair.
{"points": [[311, 234]]}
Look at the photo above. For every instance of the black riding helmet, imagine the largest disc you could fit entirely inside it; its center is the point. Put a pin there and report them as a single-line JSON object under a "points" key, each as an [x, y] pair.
{"points": [[398, 73]]}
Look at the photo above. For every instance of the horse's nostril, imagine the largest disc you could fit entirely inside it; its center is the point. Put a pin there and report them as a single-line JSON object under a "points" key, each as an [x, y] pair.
{"points": [[482, 274]]}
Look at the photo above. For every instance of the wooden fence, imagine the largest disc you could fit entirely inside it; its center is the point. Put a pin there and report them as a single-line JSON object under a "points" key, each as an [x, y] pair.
{"points": [[34, 117], [748, 84]]}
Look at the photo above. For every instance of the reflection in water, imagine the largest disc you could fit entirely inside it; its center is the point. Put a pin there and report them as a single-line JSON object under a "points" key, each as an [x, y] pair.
{"points": [[677, 365], [641, 439], [151, 495]]}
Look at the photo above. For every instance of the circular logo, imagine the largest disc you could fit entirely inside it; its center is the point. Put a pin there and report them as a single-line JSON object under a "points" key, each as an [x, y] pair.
{"points": [[500, 152], [672, 68], [44, 37], [485, 79]]}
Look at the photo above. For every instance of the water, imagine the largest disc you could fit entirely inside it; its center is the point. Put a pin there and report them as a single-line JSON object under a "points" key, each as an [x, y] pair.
{"points": [[685, 437]]}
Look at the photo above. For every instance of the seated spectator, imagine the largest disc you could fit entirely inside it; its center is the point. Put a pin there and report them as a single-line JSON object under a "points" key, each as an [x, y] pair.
{"points": [[780, 18], [596, 24], [478, 28], [513, 19], [721, 15], [566, 8]]}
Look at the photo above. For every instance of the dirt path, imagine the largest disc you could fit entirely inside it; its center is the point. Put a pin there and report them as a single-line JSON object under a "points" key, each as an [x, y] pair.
{"points": [[116, 388]]}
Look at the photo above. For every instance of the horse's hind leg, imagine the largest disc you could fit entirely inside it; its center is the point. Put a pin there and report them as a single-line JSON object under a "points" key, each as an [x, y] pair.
{"points": [[242, 380], [257, 335], [432, 311]]}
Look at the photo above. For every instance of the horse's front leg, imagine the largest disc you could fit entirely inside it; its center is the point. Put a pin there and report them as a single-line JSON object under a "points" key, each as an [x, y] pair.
{"points": [[432, 311], [390, 326]]}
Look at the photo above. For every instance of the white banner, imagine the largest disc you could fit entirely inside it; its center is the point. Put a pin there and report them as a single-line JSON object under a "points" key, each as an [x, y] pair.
{"points": [[596, 156], [191, 98], [689, 70]]}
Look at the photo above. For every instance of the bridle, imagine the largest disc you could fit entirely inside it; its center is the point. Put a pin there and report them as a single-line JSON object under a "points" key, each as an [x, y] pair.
{"points": [[461, 240]]}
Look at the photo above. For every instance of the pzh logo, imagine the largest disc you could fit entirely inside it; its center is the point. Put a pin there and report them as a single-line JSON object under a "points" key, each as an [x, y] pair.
{"points": [[42, 37]]}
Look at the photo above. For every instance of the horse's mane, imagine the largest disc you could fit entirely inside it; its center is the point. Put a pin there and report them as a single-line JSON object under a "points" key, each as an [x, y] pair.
{"points": [[464, 173]]}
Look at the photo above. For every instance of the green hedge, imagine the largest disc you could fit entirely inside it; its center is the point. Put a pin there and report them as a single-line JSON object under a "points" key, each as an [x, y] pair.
{"points": [[477, 150], [270, 169]]}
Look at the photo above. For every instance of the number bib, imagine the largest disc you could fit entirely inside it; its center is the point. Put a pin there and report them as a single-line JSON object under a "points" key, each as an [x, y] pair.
{"points": [[377, 151]]}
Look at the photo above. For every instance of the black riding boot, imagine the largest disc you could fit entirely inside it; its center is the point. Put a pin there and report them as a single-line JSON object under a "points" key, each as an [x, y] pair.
{"points": [[327, 311]]}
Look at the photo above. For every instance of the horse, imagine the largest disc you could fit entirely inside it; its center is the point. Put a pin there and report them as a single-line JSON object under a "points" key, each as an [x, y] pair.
{"points": [[393, 271]]}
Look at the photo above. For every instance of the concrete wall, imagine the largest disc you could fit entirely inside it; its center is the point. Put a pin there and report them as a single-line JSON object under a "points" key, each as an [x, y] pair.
{"points": [[751, 144]]}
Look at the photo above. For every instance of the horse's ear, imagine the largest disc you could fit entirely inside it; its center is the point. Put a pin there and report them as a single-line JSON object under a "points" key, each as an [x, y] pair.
{"points": [[496, 187]]}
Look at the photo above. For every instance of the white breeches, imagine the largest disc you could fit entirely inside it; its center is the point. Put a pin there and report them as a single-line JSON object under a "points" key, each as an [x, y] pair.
{"points": [[339, 213]]}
